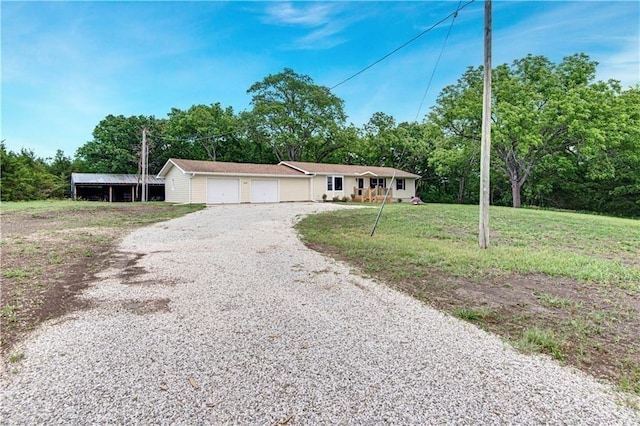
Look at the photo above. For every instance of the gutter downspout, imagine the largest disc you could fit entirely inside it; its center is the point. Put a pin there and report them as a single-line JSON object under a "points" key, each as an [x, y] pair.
{"points": [[190, 177], [311, 187]]}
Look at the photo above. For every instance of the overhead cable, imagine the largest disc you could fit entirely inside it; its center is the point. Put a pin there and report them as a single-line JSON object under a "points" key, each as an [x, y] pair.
{"points": [[424, 96], [454, 13]]}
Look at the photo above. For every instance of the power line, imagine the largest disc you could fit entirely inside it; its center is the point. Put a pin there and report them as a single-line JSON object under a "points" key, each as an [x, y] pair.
{"points": [[454, 13], [188, 139], [433, 73]]}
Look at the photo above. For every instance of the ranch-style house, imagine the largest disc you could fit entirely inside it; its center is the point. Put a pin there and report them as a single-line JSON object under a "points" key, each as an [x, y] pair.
{"points": [[215, 182]]}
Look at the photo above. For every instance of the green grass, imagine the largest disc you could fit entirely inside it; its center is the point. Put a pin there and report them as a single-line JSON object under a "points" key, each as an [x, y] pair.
{"points": [[51, 207], [471, 314], [46, 206], [9, 312], [119, 214], [631, 378], [16, 357], [15, 273], [552, 301], [544, 341], [560, 283], [590, 248]]}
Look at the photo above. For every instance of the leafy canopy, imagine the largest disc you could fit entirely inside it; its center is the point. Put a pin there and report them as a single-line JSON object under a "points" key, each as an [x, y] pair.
{"points": [[298, 119]]}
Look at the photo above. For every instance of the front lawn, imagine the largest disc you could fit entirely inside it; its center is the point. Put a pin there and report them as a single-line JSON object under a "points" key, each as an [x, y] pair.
{"points": [[561, 283]]}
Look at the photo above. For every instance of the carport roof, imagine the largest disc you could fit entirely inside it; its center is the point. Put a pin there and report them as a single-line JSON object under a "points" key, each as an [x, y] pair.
{"points": [[112, 179], [215, 167]]}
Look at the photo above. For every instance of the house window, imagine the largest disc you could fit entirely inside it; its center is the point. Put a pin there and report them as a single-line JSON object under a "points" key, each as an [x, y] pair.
{"points": [[381, 182], [334, 183], [360, 183], [400, 185], [173, 184]]}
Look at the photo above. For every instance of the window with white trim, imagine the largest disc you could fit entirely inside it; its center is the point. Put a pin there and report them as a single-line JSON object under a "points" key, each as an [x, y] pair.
{"points": [[400, 184], [173, 184], [334, 183]]}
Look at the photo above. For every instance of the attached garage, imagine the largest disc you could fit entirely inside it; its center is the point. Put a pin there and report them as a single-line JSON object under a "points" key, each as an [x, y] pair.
{"points": [[264, 191], [215, 182], [223, 191]]}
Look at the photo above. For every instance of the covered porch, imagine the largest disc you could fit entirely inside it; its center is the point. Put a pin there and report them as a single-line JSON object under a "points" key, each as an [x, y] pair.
{"points": [[372, 195]]}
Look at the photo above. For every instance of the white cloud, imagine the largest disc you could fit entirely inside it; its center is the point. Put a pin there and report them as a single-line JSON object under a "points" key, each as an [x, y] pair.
{"points": [[623, 65], [324, 37], [324, 22], [310, 15]]}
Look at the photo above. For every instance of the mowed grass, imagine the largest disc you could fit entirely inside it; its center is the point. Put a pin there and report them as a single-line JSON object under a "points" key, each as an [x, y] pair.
{"points": [[559, 283], [118, 215], [596, 249]]}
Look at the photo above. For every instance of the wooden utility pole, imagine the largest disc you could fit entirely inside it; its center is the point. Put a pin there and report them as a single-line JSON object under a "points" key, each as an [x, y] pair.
{"points": [[485, 163], [143, 197]]}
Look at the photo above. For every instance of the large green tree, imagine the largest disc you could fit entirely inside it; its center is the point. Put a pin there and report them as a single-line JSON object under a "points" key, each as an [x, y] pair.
{"points": [[454, 125], [207, 132], [61, 167], [605, 175], [24, 177], [380, 143], [540, 109], [296, 118], [116, 144]]}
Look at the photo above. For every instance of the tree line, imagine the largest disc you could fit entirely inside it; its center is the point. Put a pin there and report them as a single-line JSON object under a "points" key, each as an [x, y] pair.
{"points": [[560, 139]]}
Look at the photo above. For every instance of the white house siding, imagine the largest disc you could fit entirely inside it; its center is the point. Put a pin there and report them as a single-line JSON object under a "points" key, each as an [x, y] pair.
{"points": [[176, 188], [319, 185], [350, 182], [294, 189], [245, 190], [320, 188], [408, 192], [199, 189]]}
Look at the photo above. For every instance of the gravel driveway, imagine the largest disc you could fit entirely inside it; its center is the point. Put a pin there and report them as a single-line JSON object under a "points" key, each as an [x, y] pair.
{"points": [[223, 316]]}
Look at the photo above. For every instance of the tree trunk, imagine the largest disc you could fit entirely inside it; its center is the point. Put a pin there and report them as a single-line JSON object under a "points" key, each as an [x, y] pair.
{"points": [[515, 191], [461, 190]]}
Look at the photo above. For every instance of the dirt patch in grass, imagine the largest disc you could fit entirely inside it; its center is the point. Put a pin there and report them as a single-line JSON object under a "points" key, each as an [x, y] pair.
{"points": [[50, 256], [592, 327]]}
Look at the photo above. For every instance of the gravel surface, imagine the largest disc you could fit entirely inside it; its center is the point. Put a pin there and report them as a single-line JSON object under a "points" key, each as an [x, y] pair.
{"points": [[223, 316]]}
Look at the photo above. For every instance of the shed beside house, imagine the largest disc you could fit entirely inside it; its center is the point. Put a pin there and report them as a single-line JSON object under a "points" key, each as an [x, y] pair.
{"points": [[114, 187], [215, 182]]}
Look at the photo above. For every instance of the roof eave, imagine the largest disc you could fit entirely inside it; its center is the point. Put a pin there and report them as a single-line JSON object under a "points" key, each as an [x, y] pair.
{"points": [[306, 172], [264, 175], [170, 163]]}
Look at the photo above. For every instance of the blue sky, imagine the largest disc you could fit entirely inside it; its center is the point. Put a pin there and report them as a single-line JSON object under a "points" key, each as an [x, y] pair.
{"points": [[67, 65]]}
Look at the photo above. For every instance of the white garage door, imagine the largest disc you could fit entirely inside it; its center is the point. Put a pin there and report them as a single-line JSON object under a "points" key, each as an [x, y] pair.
{"points": [[264, 191], [223, 191]]}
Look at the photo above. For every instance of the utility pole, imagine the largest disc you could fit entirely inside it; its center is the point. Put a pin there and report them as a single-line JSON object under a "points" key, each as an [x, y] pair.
{"points": [[485, 163], [143, 197]]}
